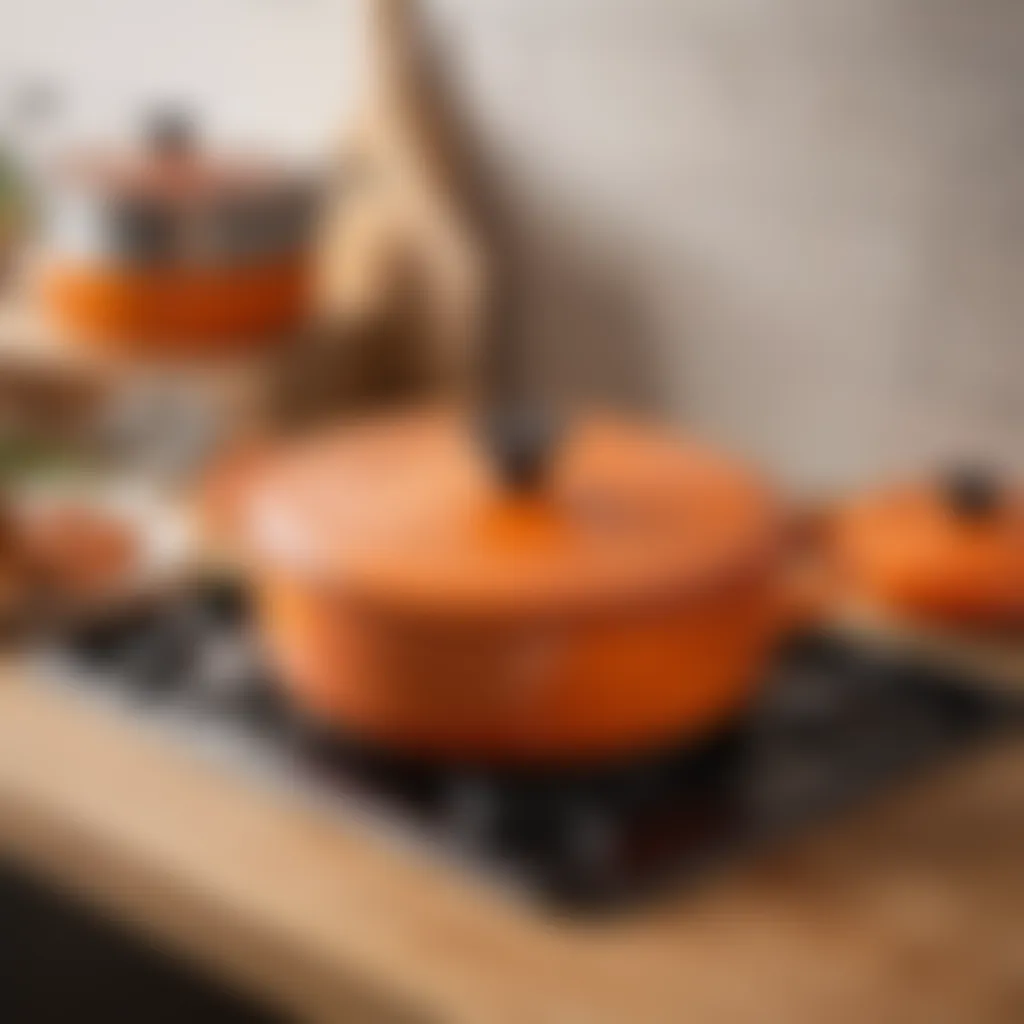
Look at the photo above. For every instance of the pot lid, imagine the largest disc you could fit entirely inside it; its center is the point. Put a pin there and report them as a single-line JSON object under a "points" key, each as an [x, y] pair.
{"points": [[171, 165], [952, 545], [409, 512]]}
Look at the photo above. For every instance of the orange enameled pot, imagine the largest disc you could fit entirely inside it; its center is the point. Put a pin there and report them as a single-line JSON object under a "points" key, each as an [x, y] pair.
{"points": [[168, 248], [144, 309], [410, 596], [948, 552]]}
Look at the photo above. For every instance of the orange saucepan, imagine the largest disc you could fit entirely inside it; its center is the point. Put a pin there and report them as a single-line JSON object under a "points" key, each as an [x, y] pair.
{"points": [[413, 595], [169, 248], [948, 552]]}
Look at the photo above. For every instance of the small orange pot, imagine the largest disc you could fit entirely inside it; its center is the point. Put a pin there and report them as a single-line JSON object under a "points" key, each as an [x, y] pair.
{"points": [[167, 248], [409, 595], [948, 552]]}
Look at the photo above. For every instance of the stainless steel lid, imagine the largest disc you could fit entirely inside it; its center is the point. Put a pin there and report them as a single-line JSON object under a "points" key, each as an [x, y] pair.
{"points": [[171, 201]]}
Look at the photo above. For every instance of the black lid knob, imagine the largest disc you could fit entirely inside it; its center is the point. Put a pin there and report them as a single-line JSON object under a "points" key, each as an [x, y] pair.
{"points": [[972, 493], [170, 131], [520, 442]]}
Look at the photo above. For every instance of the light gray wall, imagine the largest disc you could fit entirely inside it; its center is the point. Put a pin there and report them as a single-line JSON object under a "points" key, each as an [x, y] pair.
{"points": [[797, 224], [818, 204]]}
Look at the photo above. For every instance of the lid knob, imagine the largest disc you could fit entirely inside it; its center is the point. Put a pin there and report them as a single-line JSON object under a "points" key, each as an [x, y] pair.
{"points": [[170, 132], [972, 493], [520, 442]]}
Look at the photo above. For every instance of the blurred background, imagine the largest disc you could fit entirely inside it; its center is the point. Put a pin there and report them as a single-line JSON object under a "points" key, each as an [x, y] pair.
{"points": [[809, 212]]}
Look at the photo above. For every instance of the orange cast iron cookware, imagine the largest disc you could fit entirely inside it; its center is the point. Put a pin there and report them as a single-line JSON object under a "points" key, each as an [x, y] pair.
{"points": [[617, 595], [168, 247], [945, 552]]}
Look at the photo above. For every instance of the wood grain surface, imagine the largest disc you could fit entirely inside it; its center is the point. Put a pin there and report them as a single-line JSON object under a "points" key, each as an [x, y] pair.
{"points": [[910, 910]]}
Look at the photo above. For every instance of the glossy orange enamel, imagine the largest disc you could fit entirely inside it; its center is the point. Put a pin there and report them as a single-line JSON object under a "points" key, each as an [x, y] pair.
{"points": [[406, 597], [167, 310], [596, 686], [904, 549]]}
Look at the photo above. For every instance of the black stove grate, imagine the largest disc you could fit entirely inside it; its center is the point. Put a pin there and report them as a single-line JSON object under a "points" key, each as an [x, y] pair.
{"points": [[836, 721]]}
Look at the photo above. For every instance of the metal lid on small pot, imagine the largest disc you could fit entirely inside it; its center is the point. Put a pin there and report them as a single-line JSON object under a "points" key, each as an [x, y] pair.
{"points": [[169, 164], [411, 513], [171, 201]]}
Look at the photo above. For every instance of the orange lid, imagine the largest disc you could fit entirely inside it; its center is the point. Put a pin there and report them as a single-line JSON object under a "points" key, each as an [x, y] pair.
{"points": [[409, 512], [952, 549]]}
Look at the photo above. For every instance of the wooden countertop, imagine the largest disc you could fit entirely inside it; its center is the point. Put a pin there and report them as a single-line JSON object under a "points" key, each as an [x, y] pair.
{"points": [[909, 910]]}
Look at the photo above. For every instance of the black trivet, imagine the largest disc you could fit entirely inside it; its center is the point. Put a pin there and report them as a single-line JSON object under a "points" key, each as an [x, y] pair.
{"points": [[836, 721]]}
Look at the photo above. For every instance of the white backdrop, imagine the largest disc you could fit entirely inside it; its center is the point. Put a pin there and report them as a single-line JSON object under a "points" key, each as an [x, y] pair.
{"points": [[276, 71], [801, 221]]}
